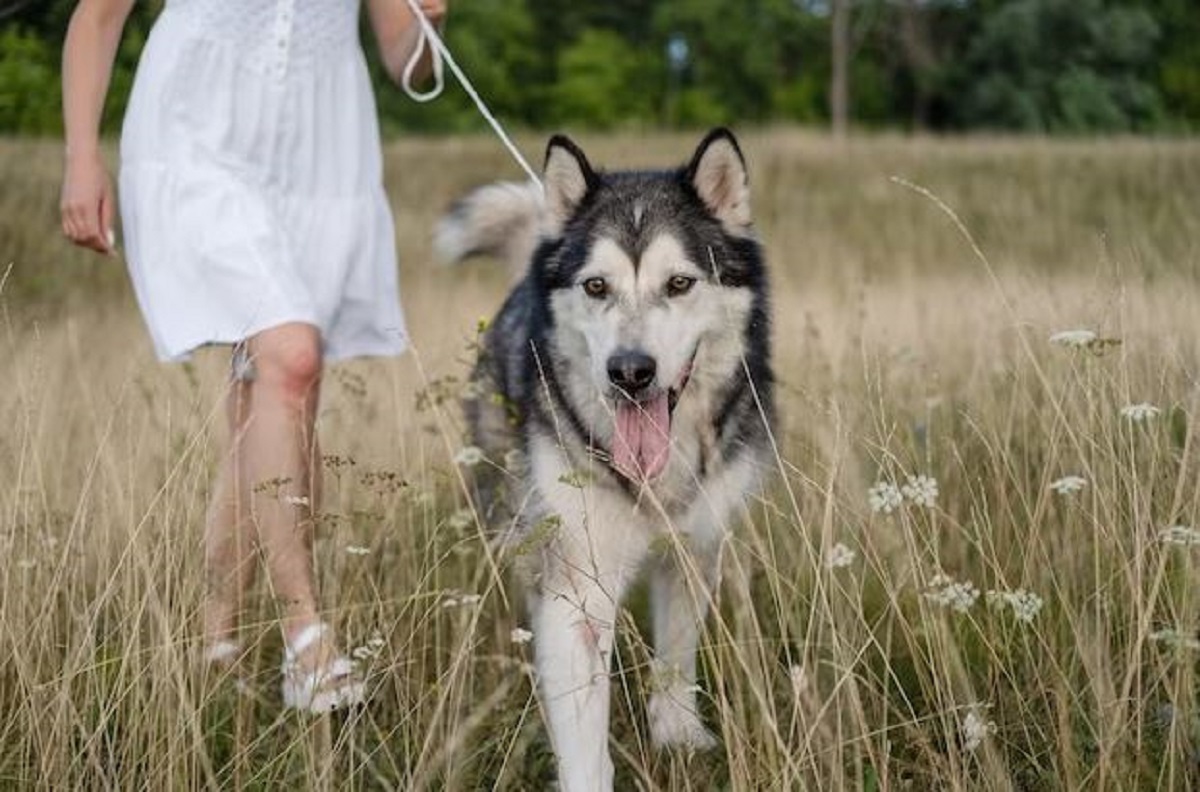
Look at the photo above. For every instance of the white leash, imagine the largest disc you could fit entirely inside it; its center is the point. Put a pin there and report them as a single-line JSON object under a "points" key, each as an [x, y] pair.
{"points": [[439, 53]]}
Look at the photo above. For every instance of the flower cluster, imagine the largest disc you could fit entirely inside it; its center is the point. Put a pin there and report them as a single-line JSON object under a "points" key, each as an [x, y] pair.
{"points": [[370, 649], [514, 460], [1175, 638], [921, 490], [950, 593], [799, 679], [1025, 605], [1079, 339], [464, 601], [1068, 485], [469, 456], [357, 550], [1179, 535], [884, 497], [839, 556], [520, 636], [975, 727], [1140, 413]]}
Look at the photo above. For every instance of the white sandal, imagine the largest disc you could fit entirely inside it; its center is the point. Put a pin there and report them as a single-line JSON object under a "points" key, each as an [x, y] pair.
{"points": [[221, 658], [334, 686], [222, 654]]}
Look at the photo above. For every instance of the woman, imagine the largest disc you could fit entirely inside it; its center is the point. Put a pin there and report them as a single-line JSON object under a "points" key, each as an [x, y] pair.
{"points": [[254, 215]]}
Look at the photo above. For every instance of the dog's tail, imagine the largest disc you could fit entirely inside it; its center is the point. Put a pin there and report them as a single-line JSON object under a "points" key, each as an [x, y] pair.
{"points": [[502, 220]]}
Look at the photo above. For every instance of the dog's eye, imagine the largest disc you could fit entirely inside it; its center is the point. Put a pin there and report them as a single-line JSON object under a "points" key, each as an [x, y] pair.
{"points": [[596, 288], [679, 284]]}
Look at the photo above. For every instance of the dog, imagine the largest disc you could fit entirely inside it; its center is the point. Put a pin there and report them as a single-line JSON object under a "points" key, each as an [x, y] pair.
{"points": [[630, 371]]}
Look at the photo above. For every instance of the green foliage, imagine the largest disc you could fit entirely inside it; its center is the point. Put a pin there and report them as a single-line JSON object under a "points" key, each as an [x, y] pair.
{"points": [[1062, 65], [1036, 65], [597, 82], [30, 96]]}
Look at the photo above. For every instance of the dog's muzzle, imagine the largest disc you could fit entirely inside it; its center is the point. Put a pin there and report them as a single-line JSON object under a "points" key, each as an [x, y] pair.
{"points": [[641, 444]]}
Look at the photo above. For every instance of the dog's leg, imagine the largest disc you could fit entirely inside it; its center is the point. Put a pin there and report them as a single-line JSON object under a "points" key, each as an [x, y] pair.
{"points": [[573, 628], [679, 599]]}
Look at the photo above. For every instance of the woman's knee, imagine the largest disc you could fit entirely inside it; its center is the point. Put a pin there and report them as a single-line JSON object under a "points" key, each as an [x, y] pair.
{"points": [[288, 359]]}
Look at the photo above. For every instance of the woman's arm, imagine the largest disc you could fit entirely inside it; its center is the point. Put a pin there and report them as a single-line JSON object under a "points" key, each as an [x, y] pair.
{"points": [[397, 33], [88, 204]]}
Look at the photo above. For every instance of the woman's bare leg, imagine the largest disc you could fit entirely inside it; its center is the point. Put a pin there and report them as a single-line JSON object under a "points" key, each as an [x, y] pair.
{"points": [[278, 456], [266, 497], [230, 561]]}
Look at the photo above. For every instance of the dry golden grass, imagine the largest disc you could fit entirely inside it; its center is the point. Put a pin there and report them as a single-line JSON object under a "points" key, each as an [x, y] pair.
{"points": [[900, 351]]}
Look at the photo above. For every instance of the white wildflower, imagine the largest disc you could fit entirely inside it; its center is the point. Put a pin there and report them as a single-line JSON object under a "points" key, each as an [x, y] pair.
{"points": [[884, 497], [1176, 638], [520, 636], [1179, 535], [371, 648], [1137, 413], [469, 456], [839, 556], [1079, 339], [921, 490], [295, 500], [799, 679], [1068, 485], [357, 550], [975, 728], [461, 600], [514, 460], [950, 593], [1025, 605], [461, 519]]}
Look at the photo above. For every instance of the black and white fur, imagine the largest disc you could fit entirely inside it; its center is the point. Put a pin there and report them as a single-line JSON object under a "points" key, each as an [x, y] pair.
{"points": [[685, 299]]}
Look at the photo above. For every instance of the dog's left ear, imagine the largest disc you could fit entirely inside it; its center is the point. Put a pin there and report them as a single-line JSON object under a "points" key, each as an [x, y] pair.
{"points": [[718, 173], [566, 177]]}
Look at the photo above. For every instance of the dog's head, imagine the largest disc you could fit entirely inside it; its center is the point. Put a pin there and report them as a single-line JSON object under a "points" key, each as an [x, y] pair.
{"points": [[652, 280]]}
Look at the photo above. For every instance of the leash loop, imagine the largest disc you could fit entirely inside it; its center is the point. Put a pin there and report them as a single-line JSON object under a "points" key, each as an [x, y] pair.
{"points": [[439, 53]]}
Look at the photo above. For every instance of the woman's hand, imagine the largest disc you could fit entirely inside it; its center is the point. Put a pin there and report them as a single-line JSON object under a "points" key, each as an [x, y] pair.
{"points": [[399, 34], [88, 203], [433, 10]]}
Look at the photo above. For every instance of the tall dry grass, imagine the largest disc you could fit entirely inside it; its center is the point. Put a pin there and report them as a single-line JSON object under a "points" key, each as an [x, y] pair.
{"points": [[900, 351]]}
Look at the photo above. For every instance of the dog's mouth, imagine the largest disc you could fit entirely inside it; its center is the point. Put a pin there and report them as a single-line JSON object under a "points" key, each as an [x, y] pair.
{"points": [[641, 444]]}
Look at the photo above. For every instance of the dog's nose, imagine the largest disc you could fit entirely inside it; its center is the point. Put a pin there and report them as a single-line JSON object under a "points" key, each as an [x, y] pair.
{"points": [[631, 371]]}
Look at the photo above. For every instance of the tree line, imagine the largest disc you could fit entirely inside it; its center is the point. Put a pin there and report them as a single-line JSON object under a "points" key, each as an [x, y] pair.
{"points": [[1044, 66]]}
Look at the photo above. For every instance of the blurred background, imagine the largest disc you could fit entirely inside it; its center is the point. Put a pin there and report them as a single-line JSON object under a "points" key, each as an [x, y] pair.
{"points": [[1047, 66]]}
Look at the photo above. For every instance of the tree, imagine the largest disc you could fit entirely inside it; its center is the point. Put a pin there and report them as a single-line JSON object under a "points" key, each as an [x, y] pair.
{"points": [[602, 82], [839, 83], [1062, 65]]}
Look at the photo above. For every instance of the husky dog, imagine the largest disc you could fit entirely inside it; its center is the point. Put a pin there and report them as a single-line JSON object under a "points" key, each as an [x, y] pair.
{"points": [[630, 367]]}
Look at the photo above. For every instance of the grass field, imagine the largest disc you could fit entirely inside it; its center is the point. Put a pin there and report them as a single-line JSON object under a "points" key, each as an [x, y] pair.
{"points": [[1005, 634]]}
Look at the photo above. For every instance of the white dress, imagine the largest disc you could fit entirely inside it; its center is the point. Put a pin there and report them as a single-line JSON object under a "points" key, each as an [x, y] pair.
{"points": [[251, 179]]}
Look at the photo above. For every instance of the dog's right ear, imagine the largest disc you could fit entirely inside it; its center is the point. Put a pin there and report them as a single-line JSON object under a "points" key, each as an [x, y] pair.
{"points": [[718, 173], [566, 179]]}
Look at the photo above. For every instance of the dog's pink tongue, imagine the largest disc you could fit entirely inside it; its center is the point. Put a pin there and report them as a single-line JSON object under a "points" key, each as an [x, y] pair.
{"points": [[643, 438]]}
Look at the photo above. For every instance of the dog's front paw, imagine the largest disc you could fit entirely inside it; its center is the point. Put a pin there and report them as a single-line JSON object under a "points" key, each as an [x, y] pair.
{"points": [[674, 723]]}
